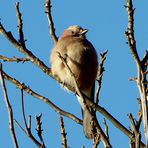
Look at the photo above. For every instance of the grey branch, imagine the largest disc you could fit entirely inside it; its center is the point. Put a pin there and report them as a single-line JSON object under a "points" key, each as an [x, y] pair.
{"points": [[14, 59], [63, 133], [99, 130], [9, 108], [141, 77], [50, 21], [41, 98]]}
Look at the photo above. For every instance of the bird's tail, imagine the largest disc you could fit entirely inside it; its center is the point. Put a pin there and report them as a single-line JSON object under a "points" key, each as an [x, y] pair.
{"points": [[88, 125]]}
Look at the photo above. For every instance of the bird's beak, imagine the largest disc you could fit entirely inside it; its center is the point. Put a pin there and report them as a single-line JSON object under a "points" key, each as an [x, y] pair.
{"points": [[84, 31]]}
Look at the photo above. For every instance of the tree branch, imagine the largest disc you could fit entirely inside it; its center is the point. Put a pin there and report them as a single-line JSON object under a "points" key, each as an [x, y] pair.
{"points": [[100, 74], [14, 59], [41, 98], [9, 108], [39, 128], [98, 128], [28, 127], [63, 134], [50, 21], [36, 61], [135, 131], [100, 109], [20, 26], [141, 77]]}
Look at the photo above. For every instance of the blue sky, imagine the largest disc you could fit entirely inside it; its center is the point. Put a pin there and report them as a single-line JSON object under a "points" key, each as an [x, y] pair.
{"points": [[107, 22]]}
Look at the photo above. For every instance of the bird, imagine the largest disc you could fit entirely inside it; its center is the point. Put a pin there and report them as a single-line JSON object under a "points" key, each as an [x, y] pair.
{"points": [[81, 57]]}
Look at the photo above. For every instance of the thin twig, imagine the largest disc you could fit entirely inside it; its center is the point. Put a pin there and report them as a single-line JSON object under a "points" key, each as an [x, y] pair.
{"points": [[135, 131], [14, 59], [96, 142], [63, 133], [27, 131], [28, 127], [100, 74], [100, 109], [50, 21], [39, 128], [23, 109], [99, 130], [41, 98], [141, 77], [139, 115], [106, 128], [20, 25], [17, 123], [9, 108], [36, 61]]}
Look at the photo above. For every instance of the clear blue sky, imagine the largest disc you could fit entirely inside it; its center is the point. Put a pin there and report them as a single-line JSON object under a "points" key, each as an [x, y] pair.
{"points": [[107, 22]]}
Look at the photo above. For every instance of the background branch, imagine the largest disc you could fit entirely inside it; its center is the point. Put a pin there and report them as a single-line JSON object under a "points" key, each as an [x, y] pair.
{"points": [[100, 74], [50, 21], [41, 98], [141, 77], [39, 128], [100, 109], [137, 136], [20, 26], [9, 108], [63, 133], [85, 107], [14, 59], [27, 129]]}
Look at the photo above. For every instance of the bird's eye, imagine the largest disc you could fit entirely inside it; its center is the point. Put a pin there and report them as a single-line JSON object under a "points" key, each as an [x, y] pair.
{"points": [[73, 32]]}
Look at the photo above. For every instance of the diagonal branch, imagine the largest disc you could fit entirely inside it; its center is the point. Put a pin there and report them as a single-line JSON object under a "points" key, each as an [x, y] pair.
{"points": [[9, 108], [25, 51], [50, 21], [14, 59], [41, 98], [36, 61], [99, 130], [100, 109]]}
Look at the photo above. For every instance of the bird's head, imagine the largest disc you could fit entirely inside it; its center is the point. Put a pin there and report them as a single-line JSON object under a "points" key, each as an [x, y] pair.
{"points": [[74, 31]]}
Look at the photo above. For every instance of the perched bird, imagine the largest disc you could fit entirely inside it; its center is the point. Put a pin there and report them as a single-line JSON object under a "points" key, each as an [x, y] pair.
{"points": [[81, 58]]}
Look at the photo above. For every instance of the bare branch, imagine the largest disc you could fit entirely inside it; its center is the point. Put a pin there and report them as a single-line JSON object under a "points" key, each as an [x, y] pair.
{"points": [[96, 142], [139, 115], [100, 109], [28, 127], [135, 131], [14, 59], [50, 21], [20, 25], [106, 128], [20, 126], [141, 77], [36, 61], [39, 128], [25, 51], [9, 108], [98, 128], [63, 134], [41, 98], [100, 74], [145, 59], [27, 131], [23, 108]]}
